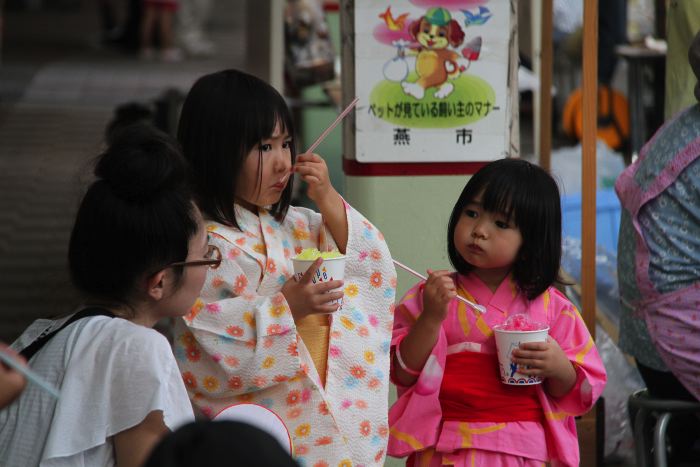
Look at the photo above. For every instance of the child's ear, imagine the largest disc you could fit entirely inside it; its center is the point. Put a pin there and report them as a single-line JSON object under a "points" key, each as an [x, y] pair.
{"points": [[155, 285]]}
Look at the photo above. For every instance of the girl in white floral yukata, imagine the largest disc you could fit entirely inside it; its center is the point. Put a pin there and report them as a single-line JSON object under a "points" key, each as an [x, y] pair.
{"points": [[257, 334]]}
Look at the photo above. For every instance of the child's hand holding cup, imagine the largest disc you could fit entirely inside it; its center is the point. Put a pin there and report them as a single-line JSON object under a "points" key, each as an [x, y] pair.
{"points": [[332, 268], [516, 330]]}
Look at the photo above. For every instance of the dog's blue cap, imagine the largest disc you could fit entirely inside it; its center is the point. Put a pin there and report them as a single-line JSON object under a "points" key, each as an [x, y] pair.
{"points": [[438, 16]]}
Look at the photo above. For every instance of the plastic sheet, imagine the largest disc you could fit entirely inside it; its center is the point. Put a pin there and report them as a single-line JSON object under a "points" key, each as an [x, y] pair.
{"points": [[607, 291], [623, 377], [566, 167], [623, 380]]}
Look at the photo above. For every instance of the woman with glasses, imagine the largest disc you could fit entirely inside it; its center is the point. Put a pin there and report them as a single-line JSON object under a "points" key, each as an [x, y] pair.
{"points": [[139, 253]]}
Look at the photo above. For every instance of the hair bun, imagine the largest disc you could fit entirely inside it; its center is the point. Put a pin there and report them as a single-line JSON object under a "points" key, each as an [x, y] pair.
{"points": [[141, 163]]}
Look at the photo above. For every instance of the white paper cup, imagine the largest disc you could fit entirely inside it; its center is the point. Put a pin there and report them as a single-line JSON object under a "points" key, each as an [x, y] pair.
{"points": [[331, 269], [506, 342]]}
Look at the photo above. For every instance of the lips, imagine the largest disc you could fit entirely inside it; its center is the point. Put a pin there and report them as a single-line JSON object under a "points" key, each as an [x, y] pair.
{"points": [[281, 184], [474, 248]]}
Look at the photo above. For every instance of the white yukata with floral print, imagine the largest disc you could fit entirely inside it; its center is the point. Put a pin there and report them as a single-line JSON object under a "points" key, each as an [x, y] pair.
{"points": [[239, 343]]}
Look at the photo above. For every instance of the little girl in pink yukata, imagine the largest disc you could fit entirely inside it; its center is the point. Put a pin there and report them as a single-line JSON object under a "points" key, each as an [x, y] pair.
{"points": [[504, 240]]}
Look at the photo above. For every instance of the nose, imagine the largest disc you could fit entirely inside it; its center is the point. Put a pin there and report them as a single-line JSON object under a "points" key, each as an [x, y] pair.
{"points": [[479, 230], [282, 161]]}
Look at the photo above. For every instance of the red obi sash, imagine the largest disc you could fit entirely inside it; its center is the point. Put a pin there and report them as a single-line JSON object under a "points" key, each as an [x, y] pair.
{"points": [[472, 391]]}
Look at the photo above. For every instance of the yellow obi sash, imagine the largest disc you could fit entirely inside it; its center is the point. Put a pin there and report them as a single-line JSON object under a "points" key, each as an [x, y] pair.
{"points": [[314, 331]]}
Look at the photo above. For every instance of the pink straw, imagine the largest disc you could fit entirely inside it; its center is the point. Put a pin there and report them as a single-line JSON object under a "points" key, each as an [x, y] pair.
{"points": [[334, 124], [479, 308]]}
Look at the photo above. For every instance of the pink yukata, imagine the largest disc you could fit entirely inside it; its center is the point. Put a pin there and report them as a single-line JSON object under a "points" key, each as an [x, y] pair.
{"points": [[240, 344], [416, 419]]}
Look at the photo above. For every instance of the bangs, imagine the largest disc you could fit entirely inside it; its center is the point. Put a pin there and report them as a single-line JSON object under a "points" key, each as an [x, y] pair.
{"points": [[262, 117], [497, 196], [514, 192]]}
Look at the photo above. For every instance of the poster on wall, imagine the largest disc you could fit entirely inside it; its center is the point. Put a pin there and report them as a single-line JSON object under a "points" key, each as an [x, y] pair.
{"points": [[432, 78]]}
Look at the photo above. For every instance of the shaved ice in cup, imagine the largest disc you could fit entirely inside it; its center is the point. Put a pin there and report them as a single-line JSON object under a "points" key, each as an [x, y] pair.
{"points": [[521, 322], [332, 268], [312, 254], [517, 329]]}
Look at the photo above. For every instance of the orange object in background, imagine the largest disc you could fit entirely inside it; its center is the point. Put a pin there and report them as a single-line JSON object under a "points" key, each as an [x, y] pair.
{"points": [[613, 117]]}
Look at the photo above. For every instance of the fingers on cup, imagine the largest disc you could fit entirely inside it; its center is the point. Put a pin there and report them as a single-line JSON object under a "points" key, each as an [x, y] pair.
{"points": [[328, 309], [533, 346], [326, 305], [324, 287], [306, 278]]}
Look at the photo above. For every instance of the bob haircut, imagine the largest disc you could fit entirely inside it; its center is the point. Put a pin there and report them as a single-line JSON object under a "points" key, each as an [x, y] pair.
{"points": [[529, 197], [135, 219], [225, 116]]}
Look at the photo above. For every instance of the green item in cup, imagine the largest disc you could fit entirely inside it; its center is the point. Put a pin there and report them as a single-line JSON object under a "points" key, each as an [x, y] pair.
{"points": [[313, 253]]}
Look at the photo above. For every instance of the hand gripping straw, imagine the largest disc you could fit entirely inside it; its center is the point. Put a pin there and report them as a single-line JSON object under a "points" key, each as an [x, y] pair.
{"points": [[477, 307]]}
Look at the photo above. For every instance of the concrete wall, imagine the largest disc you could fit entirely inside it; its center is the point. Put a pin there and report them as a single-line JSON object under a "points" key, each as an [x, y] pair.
{"points": [[412, 212]]}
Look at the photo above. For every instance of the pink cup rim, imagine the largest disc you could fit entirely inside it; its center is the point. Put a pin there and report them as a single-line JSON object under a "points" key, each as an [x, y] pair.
{"points": [[498, 327]]}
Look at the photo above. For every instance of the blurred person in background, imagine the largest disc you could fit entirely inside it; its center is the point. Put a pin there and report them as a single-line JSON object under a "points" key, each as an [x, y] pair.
{"points": [[120, 23], [659, 262], [192, 17], [159, 15]]}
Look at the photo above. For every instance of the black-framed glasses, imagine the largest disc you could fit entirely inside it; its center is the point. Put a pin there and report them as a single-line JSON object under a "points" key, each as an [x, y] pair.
{"points": [[211, 259]]}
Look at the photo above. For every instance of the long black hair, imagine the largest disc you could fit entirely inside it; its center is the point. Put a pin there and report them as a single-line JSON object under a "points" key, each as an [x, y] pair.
{"points": [[529, 197], [137, 217], [225, 115]]}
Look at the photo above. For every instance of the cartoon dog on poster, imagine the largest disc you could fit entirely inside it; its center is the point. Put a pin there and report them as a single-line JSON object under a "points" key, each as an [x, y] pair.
{"points": [[436, 63]]}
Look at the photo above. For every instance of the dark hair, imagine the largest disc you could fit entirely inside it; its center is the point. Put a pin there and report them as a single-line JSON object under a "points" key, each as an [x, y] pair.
{"points": [[225, 115], [125, 115], [137, 217], [207, 443], [528, 196]]}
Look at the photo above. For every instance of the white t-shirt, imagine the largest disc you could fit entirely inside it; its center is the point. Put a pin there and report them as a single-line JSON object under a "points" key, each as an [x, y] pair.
{"points": [[111, 373]]}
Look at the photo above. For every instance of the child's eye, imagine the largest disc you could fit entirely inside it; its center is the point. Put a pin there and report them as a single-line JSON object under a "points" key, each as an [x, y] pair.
{"points": [[470, 213], [265, 147], [502, 225], [287, 144]]}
